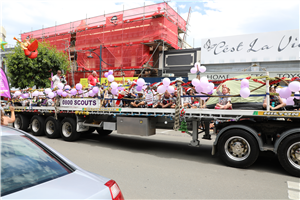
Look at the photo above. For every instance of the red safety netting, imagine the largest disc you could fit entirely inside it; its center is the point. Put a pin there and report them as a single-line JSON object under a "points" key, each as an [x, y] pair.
{"points": [[124, 37]]}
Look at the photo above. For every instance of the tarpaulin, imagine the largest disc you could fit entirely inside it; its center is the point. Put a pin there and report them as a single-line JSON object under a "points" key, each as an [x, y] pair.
{"points": [[4, 85]]}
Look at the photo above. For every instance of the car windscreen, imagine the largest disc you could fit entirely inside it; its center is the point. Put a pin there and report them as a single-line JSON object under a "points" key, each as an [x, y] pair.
{"points": [[24, 164]]}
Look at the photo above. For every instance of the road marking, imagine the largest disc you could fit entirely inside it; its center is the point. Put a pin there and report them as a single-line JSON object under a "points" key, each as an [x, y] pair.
{"points": [[293, 185], [294, 193]]}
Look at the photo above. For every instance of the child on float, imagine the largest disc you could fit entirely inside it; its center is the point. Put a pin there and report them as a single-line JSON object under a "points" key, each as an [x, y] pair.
{"points": [[275, 101], [224, 102], [187, 101]]}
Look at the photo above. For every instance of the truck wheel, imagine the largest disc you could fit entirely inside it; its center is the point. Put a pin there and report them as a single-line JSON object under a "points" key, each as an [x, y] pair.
{"points": [[289, 154], [68, 129], [52, 128], [238, 148], [21, 122], [103, 132], [37, 125]]}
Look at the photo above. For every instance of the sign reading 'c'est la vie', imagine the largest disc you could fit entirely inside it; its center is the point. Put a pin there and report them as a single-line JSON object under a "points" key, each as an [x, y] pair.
{"points": [[261, 47]]}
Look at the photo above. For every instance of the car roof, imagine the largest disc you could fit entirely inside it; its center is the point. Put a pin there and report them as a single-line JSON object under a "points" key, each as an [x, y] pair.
{"points": [[8, 131]]}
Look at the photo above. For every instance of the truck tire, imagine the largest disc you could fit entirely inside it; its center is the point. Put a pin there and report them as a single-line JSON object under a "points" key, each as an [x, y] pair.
{"points": [[238, 148], [52, 127], [21, 122], [68, 129], [103, 132], [289, 154], [37, 125]]}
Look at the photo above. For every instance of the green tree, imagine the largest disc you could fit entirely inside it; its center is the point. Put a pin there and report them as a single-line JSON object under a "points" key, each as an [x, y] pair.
{"points": [[25, 72]]}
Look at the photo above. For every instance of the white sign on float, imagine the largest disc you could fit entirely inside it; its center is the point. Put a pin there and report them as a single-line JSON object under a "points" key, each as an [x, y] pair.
{"points": [[80, 102], [261, 47]]}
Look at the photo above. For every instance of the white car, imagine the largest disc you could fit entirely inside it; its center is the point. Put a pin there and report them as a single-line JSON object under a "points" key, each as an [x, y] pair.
{"points": [[32, 170]]}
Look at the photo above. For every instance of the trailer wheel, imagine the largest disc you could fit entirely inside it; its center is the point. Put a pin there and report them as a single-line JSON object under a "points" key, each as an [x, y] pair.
{"points": [[238, 148], [21, 122], [289, 154], [103, 132], [37, 125], [68, 129], [52, 127]]}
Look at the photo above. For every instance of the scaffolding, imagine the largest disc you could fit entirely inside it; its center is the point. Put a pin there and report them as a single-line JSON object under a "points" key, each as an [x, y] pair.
{"points": [[128, 39]]}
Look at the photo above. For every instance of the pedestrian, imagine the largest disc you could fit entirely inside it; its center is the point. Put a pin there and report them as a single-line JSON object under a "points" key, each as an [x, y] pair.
{"points": [[5, 119]]}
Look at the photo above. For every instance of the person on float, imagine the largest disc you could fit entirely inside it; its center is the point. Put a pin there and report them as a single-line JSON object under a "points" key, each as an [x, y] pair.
{"points": [[56, 79], [275, 101], [224, 102], [165, 102], [139, 102], [93, 79], [187, 101], [149, 96]]}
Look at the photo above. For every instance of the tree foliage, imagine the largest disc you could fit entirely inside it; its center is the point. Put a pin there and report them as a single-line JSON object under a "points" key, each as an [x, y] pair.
{"points": [[25, 72]]}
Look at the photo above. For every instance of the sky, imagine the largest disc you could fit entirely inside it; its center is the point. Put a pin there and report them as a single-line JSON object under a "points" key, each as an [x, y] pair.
{"points": [[209, 18]]}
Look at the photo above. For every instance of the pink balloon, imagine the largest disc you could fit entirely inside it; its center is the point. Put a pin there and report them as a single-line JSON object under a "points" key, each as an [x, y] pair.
{"points": [[290, 101], [244, 83], [106, 74], [67, 87], [114, 85], [171, 89], [193, 70], [202, 69], [35, 93], [64, 94], [140, 82], [294, 86], [80, 92], [17, 93], [284, 100], [48, 90], [139, 88], [110, 72], [203, 79], [110, 78], [91, 93], [41, 93], [161, 89], [78, 86], [245, 92], [285, 93], [51, 95], [199, 89], [73, 92], [95, 90], [195, 82], [166, 82], [59, 92], [114, 91], [211, 86]]}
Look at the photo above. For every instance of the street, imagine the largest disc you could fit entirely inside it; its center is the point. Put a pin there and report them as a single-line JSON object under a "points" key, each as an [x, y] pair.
{"points": [[163, 166]]}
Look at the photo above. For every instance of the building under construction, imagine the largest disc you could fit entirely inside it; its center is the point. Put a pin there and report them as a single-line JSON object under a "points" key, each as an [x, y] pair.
{"points": [[129, 41]]}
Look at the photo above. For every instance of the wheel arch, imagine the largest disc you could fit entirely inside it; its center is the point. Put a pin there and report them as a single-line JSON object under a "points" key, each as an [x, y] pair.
{"points": [[242, 127], [284, 135]]}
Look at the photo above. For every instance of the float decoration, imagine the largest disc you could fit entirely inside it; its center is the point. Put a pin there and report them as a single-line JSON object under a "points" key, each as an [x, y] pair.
{"points": [[30, 49], [3, 43]]}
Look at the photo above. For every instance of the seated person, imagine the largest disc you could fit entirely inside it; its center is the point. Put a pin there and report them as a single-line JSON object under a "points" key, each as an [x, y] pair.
{"points": [[129, 94], [107, 98], [187, 101], [166, 101], [174, 97], [196, 103], [149, 97], [157, 100], [50, 102], [275, 101], [139, 102], [224, 102]]}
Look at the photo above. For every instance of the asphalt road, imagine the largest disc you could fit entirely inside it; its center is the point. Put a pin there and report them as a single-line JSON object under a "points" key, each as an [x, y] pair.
{"points": [[164, 166]]}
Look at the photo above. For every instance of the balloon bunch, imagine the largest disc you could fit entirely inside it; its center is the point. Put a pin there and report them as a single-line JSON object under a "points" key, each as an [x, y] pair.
{"points": [[245, 91], [197, 67], [203, 85], [285, 93], [109, 75], [166, 86]]}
